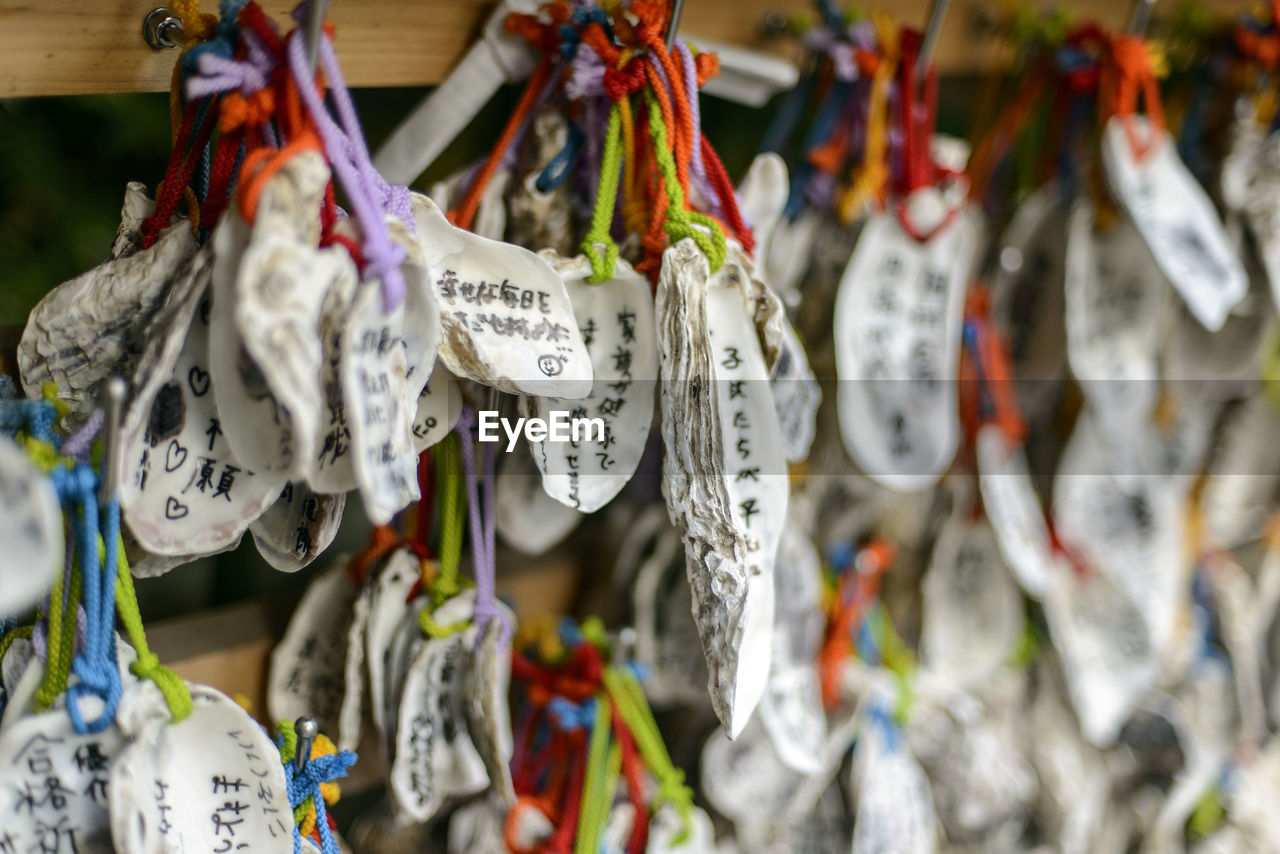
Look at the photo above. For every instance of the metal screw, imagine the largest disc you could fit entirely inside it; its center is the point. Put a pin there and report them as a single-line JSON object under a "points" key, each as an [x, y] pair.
{"points": [[160, 27], [774, 24], [306, 729]]}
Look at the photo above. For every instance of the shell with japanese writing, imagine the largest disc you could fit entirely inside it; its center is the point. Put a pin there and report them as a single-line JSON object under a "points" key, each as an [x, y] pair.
{"points": [[210, 782], [724, 471], [54, 785], [183, 491], [386, 357], [506, 319], [90, 328], [298, 527], [617, 324], [898, 321], [307, 671], [270, 285]]}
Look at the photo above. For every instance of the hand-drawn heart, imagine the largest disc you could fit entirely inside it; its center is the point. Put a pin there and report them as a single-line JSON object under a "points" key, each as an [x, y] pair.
{"points": [[175, 509], [175, 456], [198, 380]]}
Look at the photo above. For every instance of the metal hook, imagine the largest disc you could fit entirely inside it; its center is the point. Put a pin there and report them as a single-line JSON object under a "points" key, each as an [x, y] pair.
{"points": [[160, 26], [314, 32], [306, 729], [937, 12], [1141, 17], [677, 7], [116, 391]]}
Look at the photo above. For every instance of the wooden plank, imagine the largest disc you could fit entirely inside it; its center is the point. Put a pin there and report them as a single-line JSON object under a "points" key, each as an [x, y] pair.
{"points": [[96, 46]]}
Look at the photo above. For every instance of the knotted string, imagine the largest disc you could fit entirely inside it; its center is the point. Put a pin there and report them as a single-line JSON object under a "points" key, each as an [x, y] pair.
{"points": [[147, 666], [306, 787], [95, 665]]}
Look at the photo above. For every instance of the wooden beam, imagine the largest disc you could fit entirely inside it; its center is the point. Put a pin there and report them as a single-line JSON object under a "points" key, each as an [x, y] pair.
{"points": [[96, 46]]}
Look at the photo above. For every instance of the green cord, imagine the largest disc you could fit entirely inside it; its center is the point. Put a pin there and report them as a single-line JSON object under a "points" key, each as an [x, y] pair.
{"points": [[148, 666], [596, 795], [603, 265], [681, 223], [452, 510], [627, 695], [62, 637]]}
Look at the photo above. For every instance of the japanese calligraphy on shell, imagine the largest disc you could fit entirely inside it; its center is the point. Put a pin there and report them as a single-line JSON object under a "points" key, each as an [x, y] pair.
{"points": [[1175, 217], [301, 524], [1114, 299], [507, 320], [1133, 535], [331, 468], [386, 360], [183, 491], [435, 757], [306, 675], [30, 528], [89, 328], [724, 476], [211, 782], [898, 317], [54, 786], [270, 283], [616, 320], [439, 405]]}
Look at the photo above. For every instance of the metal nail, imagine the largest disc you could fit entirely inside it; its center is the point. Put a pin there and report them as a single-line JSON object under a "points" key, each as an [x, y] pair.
{"points": [[315, 32], [116, 391], [162, 29], [677, 7], [306, 729], [1141, 17], [937, 12]]}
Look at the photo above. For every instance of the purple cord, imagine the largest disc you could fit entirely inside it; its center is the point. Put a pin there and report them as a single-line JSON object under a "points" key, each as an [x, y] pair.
{"points": [[586, 75], [483, 530], [77, 444], [696, 166], [370, 195], [698, 181]]}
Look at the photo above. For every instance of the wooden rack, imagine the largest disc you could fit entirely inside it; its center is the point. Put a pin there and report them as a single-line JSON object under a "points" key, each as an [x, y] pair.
{"points": [[96, 46]]}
